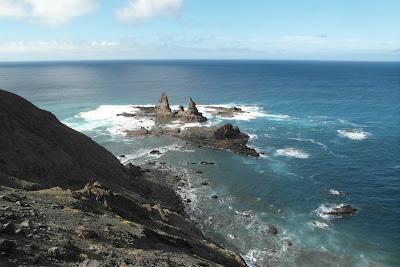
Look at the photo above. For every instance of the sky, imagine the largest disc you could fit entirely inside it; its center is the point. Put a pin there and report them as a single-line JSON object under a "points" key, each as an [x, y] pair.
{"points": [[41, 30]]}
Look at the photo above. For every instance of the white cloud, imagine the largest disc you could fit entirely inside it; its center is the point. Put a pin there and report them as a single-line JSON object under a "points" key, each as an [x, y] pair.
{"points": [[12, 9], [54, 46], [137, 10], [49, 12]]}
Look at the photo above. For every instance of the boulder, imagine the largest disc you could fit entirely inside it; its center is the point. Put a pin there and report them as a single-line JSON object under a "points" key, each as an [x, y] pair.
{"points": [[227, 131], [226, 137], [341, 210], [272, 230], [134, 133], [155, 152]]}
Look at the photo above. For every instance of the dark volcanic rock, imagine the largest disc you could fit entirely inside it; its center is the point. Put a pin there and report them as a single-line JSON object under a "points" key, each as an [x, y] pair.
{"points": [[155, 152], [207, 163], [134, 170], [272, 230], [228, 132], [226, 137], [225, 112], [8, 228], [7, 245], [341, 210], [37, 147]]}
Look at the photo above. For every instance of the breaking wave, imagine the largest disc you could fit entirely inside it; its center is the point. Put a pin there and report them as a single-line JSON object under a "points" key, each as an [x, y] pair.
{"points": [[249, 112], [354, 134], [292, 153]]}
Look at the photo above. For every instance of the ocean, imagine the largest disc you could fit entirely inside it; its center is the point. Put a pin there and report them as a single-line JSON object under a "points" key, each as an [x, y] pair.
{"points": [[329, 131]]}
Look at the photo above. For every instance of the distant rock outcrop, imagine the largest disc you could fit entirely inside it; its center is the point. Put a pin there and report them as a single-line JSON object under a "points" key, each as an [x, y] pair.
{"points": [[341, 210], [192, 114], [226, 137], [163, 112], [228, 131]]}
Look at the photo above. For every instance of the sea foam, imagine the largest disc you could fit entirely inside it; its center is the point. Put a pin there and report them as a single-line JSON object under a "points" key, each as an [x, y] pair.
{"points": [[106, 116], [356, 134], [249, 112], [292, 153], [334, 192], [323, 210], [320, 225]]}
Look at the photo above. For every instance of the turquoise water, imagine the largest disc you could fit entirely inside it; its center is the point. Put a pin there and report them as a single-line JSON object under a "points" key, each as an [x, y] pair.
{"points": [[330, 132]]}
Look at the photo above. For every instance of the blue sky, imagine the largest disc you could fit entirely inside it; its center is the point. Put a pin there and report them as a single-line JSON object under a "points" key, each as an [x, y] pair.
{"points": [[200, 29]]}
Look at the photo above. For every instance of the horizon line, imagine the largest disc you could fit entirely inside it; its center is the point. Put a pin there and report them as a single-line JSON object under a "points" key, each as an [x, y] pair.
{"points": [[195, 59]]}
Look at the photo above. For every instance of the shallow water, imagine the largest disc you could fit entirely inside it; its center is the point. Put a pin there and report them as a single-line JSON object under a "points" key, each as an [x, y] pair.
{"points": [[329, 130]]}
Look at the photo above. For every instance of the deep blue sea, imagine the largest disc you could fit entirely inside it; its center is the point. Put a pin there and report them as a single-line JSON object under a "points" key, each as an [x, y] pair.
{"points": [[330, 132]]}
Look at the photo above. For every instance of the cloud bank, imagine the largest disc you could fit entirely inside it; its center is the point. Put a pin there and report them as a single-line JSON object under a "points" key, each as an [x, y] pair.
{"points": [[137, 10], [49, 12]]}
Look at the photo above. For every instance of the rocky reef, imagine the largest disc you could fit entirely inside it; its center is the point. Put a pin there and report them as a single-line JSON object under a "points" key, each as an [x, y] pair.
{"points": [[225, 112], [67, 201], [225, 136]]}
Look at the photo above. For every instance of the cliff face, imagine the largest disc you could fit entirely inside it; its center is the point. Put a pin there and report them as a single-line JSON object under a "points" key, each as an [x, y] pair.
{"points": [[132, 217]]}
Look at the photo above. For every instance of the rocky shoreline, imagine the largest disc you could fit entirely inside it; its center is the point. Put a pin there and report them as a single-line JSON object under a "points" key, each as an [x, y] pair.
{"points": [[225, 136], [66, 201]]}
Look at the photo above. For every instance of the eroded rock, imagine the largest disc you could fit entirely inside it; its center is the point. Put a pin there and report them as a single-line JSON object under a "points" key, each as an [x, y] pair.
{"points": [[341, 210]]}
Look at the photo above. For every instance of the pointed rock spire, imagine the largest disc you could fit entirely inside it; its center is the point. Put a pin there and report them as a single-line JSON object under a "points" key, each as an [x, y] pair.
{"points": [[163, 110], [192, 107], [163, 105], [192, 114]]}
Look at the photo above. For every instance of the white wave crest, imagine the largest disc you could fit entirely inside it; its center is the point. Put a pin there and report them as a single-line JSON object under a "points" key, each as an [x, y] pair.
{"points": [[356, 134], [105, 116], [249, 112], [252, 136], [292, 153], [324, 210], [334, 192], [320, 225]]}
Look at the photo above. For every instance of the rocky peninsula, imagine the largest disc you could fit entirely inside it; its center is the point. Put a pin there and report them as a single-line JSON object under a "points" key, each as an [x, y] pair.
{"points": [[67, 201], [225, 136]]}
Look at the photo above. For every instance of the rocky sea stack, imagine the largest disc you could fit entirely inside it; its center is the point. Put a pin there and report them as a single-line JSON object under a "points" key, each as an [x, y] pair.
{"points": [[192, 114], [226, 136], [65, 201], [163, 113]]}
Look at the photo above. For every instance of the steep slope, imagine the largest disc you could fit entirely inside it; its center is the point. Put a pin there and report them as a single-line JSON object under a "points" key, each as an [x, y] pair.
{"points": [[132, 217], [35, 145]]}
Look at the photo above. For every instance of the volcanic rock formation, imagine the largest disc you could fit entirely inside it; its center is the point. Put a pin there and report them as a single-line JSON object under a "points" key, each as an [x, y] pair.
{"points": [[163, 112], [192, 114]]}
